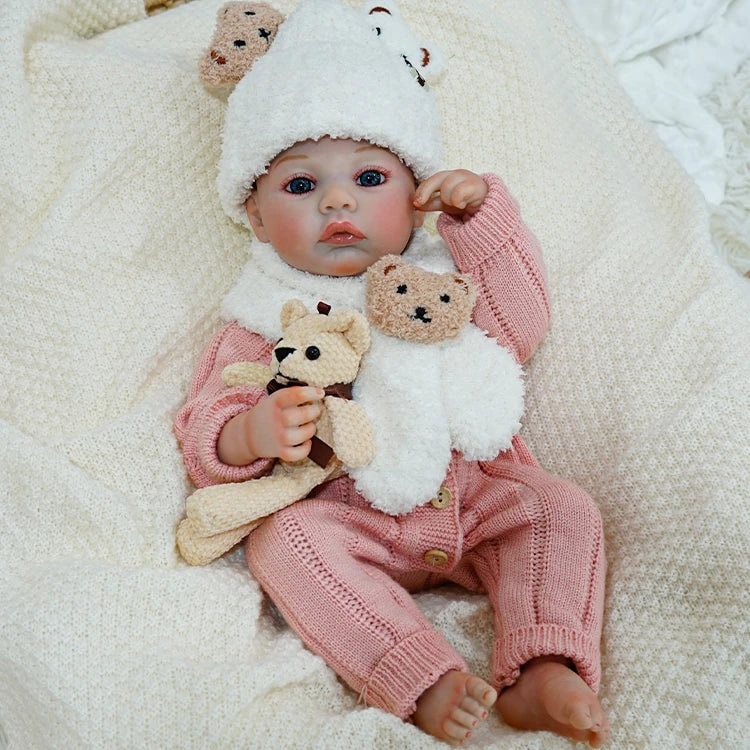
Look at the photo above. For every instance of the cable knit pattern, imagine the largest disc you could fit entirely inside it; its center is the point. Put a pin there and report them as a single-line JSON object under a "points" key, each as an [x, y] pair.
{"points": [[115, 253]]}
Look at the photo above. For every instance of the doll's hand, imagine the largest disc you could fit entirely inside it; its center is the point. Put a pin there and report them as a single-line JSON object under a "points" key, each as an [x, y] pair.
{"points": [[279, 426], [457, 191]]}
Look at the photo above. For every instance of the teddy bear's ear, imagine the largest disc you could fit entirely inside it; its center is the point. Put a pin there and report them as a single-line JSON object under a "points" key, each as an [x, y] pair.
{"points": [[468, 287], [292, 311], [243, 32], [385, 265], [355, 328]]}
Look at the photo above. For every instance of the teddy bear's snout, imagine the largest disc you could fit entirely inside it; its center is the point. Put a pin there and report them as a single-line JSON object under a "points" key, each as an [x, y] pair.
{"points": [[282, 352], [420, 313]]}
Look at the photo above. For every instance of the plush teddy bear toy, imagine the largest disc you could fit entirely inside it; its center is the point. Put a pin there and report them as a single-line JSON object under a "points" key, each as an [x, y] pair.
{"points": [[447, 385], [322, 349], [243, 32]]}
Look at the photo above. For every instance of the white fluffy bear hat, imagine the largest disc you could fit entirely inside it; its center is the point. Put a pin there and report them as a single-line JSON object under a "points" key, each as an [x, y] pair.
{"points": [[336, 71]]}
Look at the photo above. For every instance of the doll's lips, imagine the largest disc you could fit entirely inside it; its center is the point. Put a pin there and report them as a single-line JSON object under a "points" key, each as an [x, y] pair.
{"points": [[341, 233]]}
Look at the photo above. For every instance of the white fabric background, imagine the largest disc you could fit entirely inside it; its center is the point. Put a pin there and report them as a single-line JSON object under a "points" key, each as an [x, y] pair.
{"points": [[687, 68]]}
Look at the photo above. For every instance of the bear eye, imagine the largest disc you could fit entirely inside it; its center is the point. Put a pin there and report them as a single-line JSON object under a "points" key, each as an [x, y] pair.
{"points": [[401, 289], [445, 298], [240, 43], [312, 352]]}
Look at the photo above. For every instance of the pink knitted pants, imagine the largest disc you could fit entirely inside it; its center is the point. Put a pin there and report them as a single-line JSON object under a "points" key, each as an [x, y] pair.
{"points": [[340, 572]]}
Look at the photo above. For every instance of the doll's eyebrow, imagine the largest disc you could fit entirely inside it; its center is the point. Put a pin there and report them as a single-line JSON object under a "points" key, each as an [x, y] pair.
{"points": [[286, 157]]}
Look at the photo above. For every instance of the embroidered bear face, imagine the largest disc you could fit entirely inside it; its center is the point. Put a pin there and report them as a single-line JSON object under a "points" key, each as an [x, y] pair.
{"points": [[243, 32], [411, 303], [321, 348]]}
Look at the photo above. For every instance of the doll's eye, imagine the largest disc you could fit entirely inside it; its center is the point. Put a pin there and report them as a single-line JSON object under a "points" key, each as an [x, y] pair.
{"points": [[299, 185], [312, 352], [370, 178], [445, 298], [401, 289]]}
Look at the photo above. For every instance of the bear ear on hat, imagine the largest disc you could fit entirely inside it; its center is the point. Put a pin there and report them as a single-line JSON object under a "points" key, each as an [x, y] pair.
{"points": [[243, 33]]}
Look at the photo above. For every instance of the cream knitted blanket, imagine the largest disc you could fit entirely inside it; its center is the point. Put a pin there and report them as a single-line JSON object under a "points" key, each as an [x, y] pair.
{"points": [[115, 255]]}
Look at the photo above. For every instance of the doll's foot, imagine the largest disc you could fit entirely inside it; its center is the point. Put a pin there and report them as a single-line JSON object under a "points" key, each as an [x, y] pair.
{"points": [[550, 696], [452, 708]]}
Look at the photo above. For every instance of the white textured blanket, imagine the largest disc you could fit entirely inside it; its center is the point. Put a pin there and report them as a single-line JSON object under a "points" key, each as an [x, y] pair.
{"points": [[114, 257]]}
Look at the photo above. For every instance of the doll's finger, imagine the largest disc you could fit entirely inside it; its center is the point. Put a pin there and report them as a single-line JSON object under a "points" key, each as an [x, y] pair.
{"points": [[295, 452], [297, 395], [295, 416], [433, 204], [460, 189], [428, 189], [295, 436]]}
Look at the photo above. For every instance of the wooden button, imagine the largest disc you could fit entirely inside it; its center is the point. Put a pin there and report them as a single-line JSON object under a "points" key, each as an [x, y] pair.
{"points": [[436, 557], [443, 498]]}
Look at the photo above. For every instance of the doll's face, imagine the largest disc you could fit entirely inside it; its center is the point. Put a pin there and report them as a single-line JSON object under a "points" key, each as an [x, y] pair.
{"points": [[334, 206]]}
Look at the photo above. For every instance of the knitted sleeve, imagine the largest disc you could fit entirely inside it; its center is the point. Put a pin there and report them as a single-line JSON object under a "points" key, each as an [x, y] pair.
{"points": [[504, 259], [210, 405]]}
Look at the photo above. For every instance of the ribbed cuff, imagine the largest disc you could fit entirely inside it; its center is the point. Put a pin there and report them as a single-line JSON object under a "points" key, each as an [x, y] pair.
{"points": [[472, 241], [513, 651], [407, 670]]}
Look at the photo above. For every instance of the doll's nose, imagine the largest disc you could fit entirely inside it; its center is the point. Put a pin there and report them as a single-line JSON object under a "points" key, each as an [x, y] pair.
{"points": [[335, 197], [282, 352]]}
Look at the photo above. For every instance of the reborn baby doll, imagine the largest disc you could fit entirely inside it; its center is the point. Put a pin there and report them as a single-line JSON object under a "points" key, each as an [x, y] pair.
{"points": [[331, 156]]}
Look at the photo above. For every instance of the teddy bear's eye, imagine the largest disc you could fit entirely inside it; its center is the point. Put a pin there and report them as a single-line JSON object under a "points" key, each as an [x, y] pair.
{"points": [[240, 43], [401, 289], [445, 298], [312, 352]]}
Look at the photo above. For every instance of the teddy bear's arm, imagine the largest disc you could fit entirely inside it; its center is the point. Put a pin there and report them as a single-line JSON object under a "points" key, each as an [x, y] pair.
{"points": [[246, 373], [353, 441]]}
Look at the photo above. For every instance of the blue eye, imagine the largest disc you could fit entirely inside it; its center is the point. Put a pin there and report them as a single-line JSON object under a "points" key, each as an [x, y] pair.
{"points": [[300, 185], [370, 178]]}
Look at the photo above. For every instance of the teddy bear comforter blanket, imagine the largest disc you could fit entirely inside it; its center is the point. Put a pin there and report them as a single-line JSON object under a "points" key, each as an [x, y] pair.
{"points": [[114, 257]]}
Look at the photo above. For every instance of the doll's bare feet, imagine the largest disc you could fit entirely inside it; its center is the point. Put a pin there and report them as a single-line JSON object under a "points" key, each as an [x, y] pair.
{"points": [[550, 696], [454, 706]]}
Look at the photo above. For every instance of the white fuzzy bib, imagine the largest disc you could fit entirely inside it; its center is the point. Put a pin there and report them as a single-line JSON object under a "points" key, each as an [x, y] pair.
{"points": [[422, 399]]}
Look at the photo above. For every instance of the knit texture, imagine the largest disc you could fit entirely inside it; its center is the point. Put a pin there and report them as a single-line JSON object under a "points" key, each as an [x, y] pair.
{"points": [[114, 255]]}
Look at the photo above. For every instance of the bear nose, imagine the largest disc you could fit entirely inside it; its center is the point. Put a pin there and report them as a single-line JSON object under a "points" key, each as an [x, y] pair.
{"points": [[421, 314], [282, 352]]}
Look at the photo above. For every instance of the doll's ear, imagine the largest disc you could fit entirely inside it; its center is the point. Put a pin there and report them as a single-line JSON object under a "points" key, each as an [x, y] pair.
{"points": [[292, 311], [243, 33], [255, 219]]}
